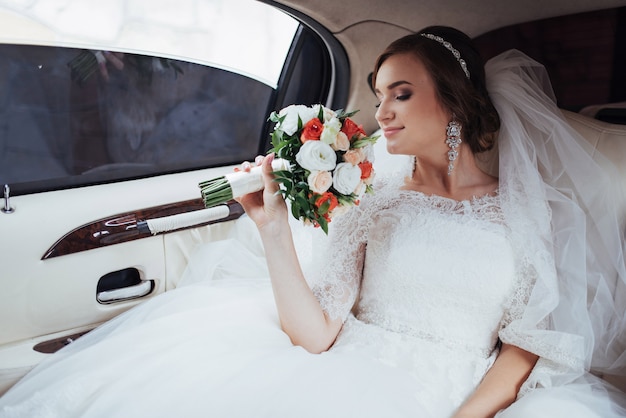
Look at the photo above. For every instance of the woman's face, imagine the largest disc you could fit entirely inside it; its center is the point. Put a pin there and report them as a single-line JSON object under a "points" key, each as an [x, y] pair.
{"points": [[409, 113]]}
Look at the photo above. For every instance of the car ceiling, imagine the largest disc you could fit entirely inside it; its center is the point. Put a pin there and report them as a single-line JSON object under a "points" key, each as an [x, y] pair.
{"points": [[474, 16], [366, 27]]}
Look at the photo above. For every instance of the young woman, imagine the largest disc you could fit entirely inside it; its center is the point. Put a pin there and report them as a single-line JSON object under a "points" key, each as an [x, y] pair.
{"points": [[449, 293]]}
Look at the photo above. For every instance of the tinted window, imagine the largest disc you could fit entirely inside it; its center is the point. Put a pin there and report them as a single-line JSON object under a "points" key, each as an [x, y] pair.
{"points": [[154, 115]]}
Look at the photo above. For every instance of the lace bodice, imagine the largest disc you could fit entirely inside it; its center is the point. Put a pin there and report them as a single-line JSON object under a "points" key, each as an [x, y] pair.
{"points": [[422, 278], [425, 266], [422, 281]]}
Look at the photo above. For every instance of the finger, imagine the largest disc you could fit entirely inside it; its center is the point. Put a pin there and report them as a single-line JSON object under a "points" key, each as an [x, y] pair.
{"points": [[246, 166], [250, 200], [259, 160], [268, 174]]}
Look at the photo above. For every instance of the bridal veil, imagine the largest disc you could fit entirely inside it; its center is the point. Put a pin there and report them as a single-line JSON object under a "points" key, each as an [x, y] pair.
{"points": [[565, 210]]}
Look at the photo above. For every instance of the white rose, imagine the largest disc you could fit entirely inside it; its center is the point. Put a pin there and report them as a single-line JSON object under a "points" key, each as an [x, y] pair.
{"points": [[290, 123], [330, 131], [346, 178], [320, 181], [316, 155], [328, 113]]}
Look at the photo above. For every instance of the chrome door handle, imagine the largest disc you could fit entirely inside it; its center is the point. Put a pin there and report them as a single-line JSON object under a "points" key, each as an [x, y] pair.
{"points": [[126, 293]]}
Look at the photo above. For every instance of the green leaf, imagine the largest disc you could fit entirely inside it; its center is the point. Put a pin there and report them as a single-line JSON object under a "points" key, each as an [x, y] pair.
{"points": [[342, 115], [323, 210], [360, 143], [320, 114], [301, 201], [323, 224], [295, 210]]}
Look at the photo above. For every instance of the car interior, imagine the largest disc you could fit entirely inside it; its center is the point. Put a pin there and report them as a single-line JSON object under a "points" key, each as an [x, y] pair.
{"points": [[84, 161]]}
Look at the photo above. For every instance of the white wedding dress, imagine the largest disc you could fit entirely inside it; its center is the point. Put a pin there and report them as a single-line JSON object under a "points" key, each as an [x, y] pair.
{"points": [[427, 287], [421, 336]]}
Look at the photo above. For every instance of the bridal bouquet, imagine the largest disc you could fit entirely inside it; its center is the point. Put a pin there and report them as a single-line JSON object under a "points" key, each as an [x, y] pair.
{"points": [[323, 165]]}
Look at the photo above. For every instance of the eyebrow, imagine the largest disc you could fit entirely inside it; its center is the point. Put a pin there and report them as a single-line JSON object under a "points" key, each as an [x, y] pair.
{"points": [[394, 85]]}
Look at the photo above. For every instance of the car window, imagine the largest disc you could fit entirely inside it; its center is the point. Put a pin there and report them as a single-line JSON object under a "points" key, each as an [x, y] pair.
{"points": [[85, 103]]}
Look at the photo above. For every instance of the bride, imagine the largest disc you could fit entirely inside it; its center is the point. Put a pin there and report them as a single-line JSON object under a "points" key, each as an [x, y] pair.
{"points": [[449, 293]]}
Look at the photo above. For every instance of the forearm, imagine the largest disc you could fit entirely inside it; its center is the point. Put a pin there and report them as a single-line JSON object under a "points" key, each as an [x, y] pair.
{"points": [[300, 313], [501, 384]]}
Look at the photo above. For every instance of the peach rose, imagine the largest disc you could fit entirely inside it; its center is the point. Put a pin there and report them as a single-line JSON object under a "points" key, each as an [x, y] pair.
{"points": [[354, 156], [342, 143], [319, 181]]}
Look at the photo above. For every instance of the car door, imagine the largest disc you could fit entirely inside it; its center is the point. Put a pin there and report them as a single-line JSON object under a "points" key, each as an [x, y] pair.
{"points": [[108, 123]]}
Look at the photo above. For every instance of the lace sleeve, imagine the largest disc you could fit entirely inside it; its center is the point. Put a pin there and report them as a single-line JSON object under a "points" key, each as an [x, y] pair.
{"points": [[341, 268], [525, 278], [534, 337]]}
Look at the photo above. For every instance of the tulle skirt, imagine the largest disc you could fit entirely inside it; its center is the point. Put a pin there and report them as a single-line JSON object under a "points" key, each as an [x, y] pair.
{"points": [[207, 351], [215, 349]]}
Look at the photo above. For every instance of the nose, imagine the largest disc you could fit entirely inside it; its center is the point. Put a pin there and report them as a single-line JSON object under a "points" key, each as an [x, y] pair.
{"points": [[383, 112]]}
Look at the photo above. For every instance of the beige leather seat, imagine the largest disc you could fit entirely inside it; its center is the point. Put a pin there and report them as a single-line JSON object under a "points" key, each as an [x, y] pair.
{"points": [[608, 112], [609, 140]]}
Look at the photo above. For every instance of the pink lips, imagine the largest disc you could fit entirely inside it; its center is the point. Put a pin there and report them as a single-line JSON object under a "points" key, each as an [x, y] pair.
{"points": [[391, 131]]}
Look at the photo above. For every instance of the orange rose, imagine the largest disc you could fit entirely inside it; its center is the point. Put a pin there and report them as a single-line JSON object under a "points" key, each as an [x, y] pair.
{"points": [[327, 197], [366, 169], [351, 129], [312, 130]]}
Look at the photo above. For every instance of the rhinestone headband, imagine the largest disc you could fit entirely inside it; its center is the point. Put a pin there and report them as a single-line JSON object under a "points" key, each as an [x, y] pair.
{"points": [[450, 48]]}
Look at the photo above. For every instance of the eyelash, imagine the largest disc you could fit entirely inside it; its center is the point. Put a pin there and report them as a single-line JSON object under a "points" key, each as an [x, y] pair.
{"points": [[401, 98]]}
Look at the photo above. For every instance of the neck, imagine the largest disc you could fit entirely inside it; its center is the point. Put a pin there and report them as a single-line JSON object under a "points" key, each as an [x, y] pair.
{"points": [[431, 176]]}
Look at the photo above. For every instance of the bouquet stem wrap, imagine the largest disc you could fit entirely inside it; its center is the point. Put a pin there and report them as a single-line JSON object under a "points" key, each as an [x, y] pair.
{"points": [[224, 188]]}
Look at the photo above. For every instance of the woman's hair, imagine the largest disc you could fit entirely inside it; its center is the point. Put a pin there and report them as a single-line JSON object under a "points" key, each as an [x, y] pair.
{"points": [[466, 98]]}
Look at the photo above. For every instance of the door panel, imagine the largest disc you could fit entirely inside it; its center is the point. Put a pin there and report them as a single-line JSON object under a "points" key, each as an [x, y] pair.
{"points": [[74, 148], [44, 299]]}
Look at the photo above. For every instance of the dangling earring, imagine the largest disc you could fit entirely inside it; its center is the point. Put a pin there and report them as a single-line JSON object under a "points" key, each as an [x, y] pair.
{"points": [[453, 133]]}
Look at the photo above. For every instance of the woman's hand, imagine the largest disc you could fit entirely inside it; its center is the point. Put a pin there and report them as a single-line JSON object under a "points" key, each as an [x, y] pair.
{"points": [[266, 208], [299, 311], [501, 384]]}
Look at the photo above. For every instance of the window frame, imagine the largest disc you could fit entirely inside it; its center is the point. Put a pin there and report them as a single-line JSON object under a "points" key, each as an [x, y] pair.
{"points": [[336, 88]]}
